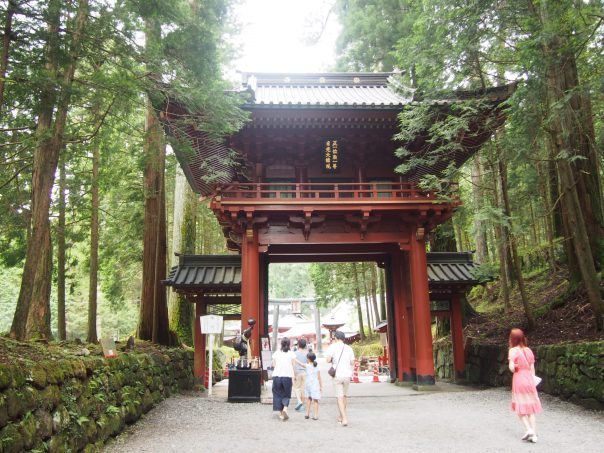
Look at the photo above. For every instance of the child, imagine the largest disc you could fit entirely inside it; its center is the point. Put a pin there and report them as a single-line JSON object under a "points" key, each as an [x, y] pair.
{"points": [[313, 386]]}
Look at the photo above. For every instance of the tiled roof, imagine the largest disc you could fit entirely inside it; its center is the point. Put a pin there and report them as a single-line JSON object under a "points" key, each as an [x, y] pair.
{"points": [[348, 90], [364, 90], [218, 273], [451, 268]]}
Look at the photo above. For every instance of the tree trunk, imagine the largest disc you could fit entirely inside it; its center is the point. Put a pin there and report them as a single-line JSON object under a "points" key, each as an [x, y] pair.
{"points": [[516, 260], [374, 285], [61, 325], [357, 293], [6, 41], [94, 246], [161, 331], [480, 237], [501, 246], [148, 326], [573, 131], [366, 292], [547, 218], [32, 314], [383, 310], [184, 235], [581, 242], [571, 136]]}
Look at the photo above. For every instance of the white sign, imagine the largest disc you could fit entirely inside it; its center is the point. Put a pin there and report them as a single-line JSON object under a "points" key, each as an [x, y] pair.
{"points": [[211, 324]]}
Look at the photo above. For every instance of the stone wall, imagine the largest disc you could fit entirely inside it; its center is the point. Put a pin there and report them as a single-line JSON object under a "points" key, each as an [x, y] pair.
{"points": [[76, 404], [573, 371]]}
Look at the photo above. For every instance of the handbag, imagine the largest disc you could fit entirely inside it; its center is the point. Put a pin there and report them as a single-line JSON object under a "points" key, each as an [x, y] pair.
{"points": [[536, 379], [332, 370]]}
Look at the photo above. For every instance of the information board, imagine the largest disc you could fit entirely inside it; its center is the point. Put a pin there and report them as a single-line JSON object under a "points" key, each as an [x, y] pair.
{"points": [[211, 324]]}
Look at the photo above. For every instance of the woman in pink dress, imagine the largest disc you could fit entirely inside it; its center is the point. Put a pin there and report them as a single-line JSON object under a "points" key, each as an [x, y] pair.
{"points": [[525, 400]]}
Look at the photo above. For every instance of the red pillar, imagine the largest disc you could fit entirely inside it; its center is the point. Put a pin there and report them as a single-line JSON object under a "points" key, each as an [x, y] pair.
{"points": [[424, 357], [459, 360], [405, 266], [403, 345], [199, 357], [250, 287]]}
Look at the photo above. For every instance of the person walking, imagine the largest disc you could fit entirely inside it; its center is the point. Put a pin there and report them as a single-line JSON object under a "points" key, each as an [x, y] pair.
{"points": [[283, 374], [525, 400], [313, 387], [341, 356], [300, 370]]}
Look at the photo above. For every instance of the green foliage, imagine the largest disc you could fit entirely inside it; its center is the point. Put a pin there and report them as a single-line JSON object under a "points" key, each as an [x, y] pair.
{"points": [[370, 349], [106, 111], [290, 281], [486, 272]]}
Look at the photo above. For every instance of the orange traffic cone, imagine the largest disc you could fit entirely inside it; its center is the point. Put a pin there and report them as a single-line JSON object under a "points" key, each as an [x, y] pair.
{"points": [[376, 378], [355, 373], [226, 370]]}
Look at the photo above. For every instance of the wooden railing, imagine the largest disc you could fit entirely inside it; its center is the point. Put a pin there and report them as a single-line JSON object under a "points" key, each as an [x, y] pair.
{"points": [[384, 191]]}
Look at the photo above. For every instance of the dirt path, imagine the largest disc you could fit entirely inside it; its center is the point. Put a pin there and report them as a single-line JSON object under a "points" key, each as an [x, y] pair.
{"points": [[383, 418]]}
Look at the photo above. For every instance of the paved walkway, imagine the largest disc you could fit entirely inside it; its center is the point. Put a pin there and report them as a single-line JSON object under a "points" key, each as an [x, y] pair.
{"points": [[382, 417]]}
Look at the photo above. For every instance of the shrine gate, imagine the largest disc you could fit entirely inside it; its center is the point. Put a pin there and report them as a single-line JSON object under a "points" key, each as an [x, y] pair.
{"points": [[317, 184]]}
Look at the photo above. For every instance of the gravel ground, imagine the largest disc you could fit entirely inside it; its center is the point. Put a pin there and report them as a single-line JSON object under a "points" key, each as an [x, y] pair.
{"points": [[381, 416]]}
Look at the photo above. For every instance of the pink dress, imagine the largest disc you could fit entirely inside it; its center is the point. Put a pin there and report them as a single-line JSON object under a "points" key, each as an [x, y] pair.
{"points": [[525, 400]]}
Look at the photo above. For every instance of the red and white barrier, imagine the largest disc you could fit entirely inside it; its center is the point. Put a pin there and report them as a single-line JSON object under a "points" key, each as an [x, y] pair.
{"points": [[355, 373]]}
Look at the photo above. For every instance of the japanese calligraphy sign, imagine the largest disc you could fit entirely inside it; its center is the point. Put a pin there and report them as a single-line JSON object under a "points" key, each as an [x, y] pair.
{"points": [[332, 155]]}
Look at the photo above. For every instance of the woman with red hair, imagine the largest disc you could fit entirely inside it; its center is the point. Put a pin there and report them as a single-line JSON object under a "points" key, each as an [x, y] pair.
{"points": [[525, 400]]}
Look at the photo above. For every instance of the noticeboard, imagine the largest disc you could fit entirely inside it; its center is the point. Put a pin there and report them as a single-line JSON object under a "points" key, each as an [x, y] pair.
{"points": [[211, 324]]}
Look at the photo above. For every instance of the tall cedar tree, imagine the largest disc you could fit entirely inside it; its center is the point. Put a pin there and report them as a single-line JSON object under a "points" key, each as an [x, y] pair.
{"points": [[32, 314]]}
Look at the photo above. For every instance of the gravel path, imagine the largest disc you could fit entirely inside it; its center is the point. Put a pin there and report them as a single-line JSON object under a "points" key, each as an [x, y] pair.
{"points": [[382, 417]]}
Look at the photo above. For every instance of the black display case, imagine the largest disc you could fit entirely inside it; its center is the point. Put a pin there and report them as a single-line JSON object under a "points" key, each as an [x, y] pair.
{"points": [[244, 386]]}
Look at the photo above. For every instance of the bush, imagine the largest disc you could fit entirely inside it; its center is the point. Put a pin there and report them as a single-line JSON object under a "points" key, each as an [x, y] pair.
{"points": [[367, 349]]}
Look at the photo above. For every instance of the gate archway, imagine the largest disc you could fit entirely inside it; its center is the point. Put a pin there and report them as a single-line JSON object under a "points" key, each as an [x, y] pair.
{"points": [[317, 182]]}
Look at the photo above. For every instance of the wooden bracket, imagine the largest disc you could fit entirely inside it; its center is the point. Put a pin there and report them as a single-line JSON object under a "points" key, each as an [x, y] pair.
{"points": [[235, 237], [363, 221], [306, 222], [420, 234]]}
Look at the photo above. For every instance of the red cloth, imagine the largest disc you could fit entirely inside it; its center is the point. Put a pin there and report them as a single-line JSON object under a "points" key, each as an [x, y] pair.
{"points": [[525, 399]]}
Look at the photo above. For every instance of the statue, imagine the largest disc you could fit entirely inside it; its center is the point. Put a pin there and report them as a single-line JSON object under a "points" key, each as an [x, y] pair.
{"points": [[242, 346]]}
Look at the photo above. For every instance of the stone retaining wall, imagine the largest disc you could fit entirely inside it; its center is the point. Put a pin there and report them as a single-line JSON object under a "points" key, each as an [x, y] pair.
{"points": [[573, 371], [76, 404]]}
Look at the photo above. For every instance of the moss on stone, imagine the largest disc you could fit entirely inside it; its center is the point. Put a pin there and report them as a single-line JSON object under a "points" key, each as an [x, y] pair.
{"points": [[60, 443], [49, 397], [58, 371], [43, 424], [10, 439], [37, 376], [18, 377], [3, 412], [60, 419], [5, 376], [28, 429]]}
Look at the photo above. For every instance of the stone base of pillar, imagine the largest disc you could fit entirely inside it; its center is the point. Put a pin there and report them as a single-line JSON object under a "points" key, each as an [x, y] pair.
{"points": [[427, 388], [460, 377], [425, 380], [409, 377]]}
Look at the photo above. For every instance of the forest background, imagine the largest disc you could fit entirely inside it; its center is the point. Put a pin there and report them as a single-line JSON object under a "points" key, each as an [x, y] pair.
{"points": [[93, 205]]}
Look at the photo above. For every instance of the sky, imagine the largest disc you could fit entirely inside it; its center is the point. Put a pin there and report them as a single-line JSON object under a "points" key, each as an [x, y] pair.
{"points": [[275, 33]]}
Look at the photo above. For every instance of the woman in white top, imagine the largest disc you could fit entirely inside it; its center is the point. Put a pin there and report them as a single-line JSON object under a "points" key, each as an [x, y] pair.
{"points": [[283, 374]]}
